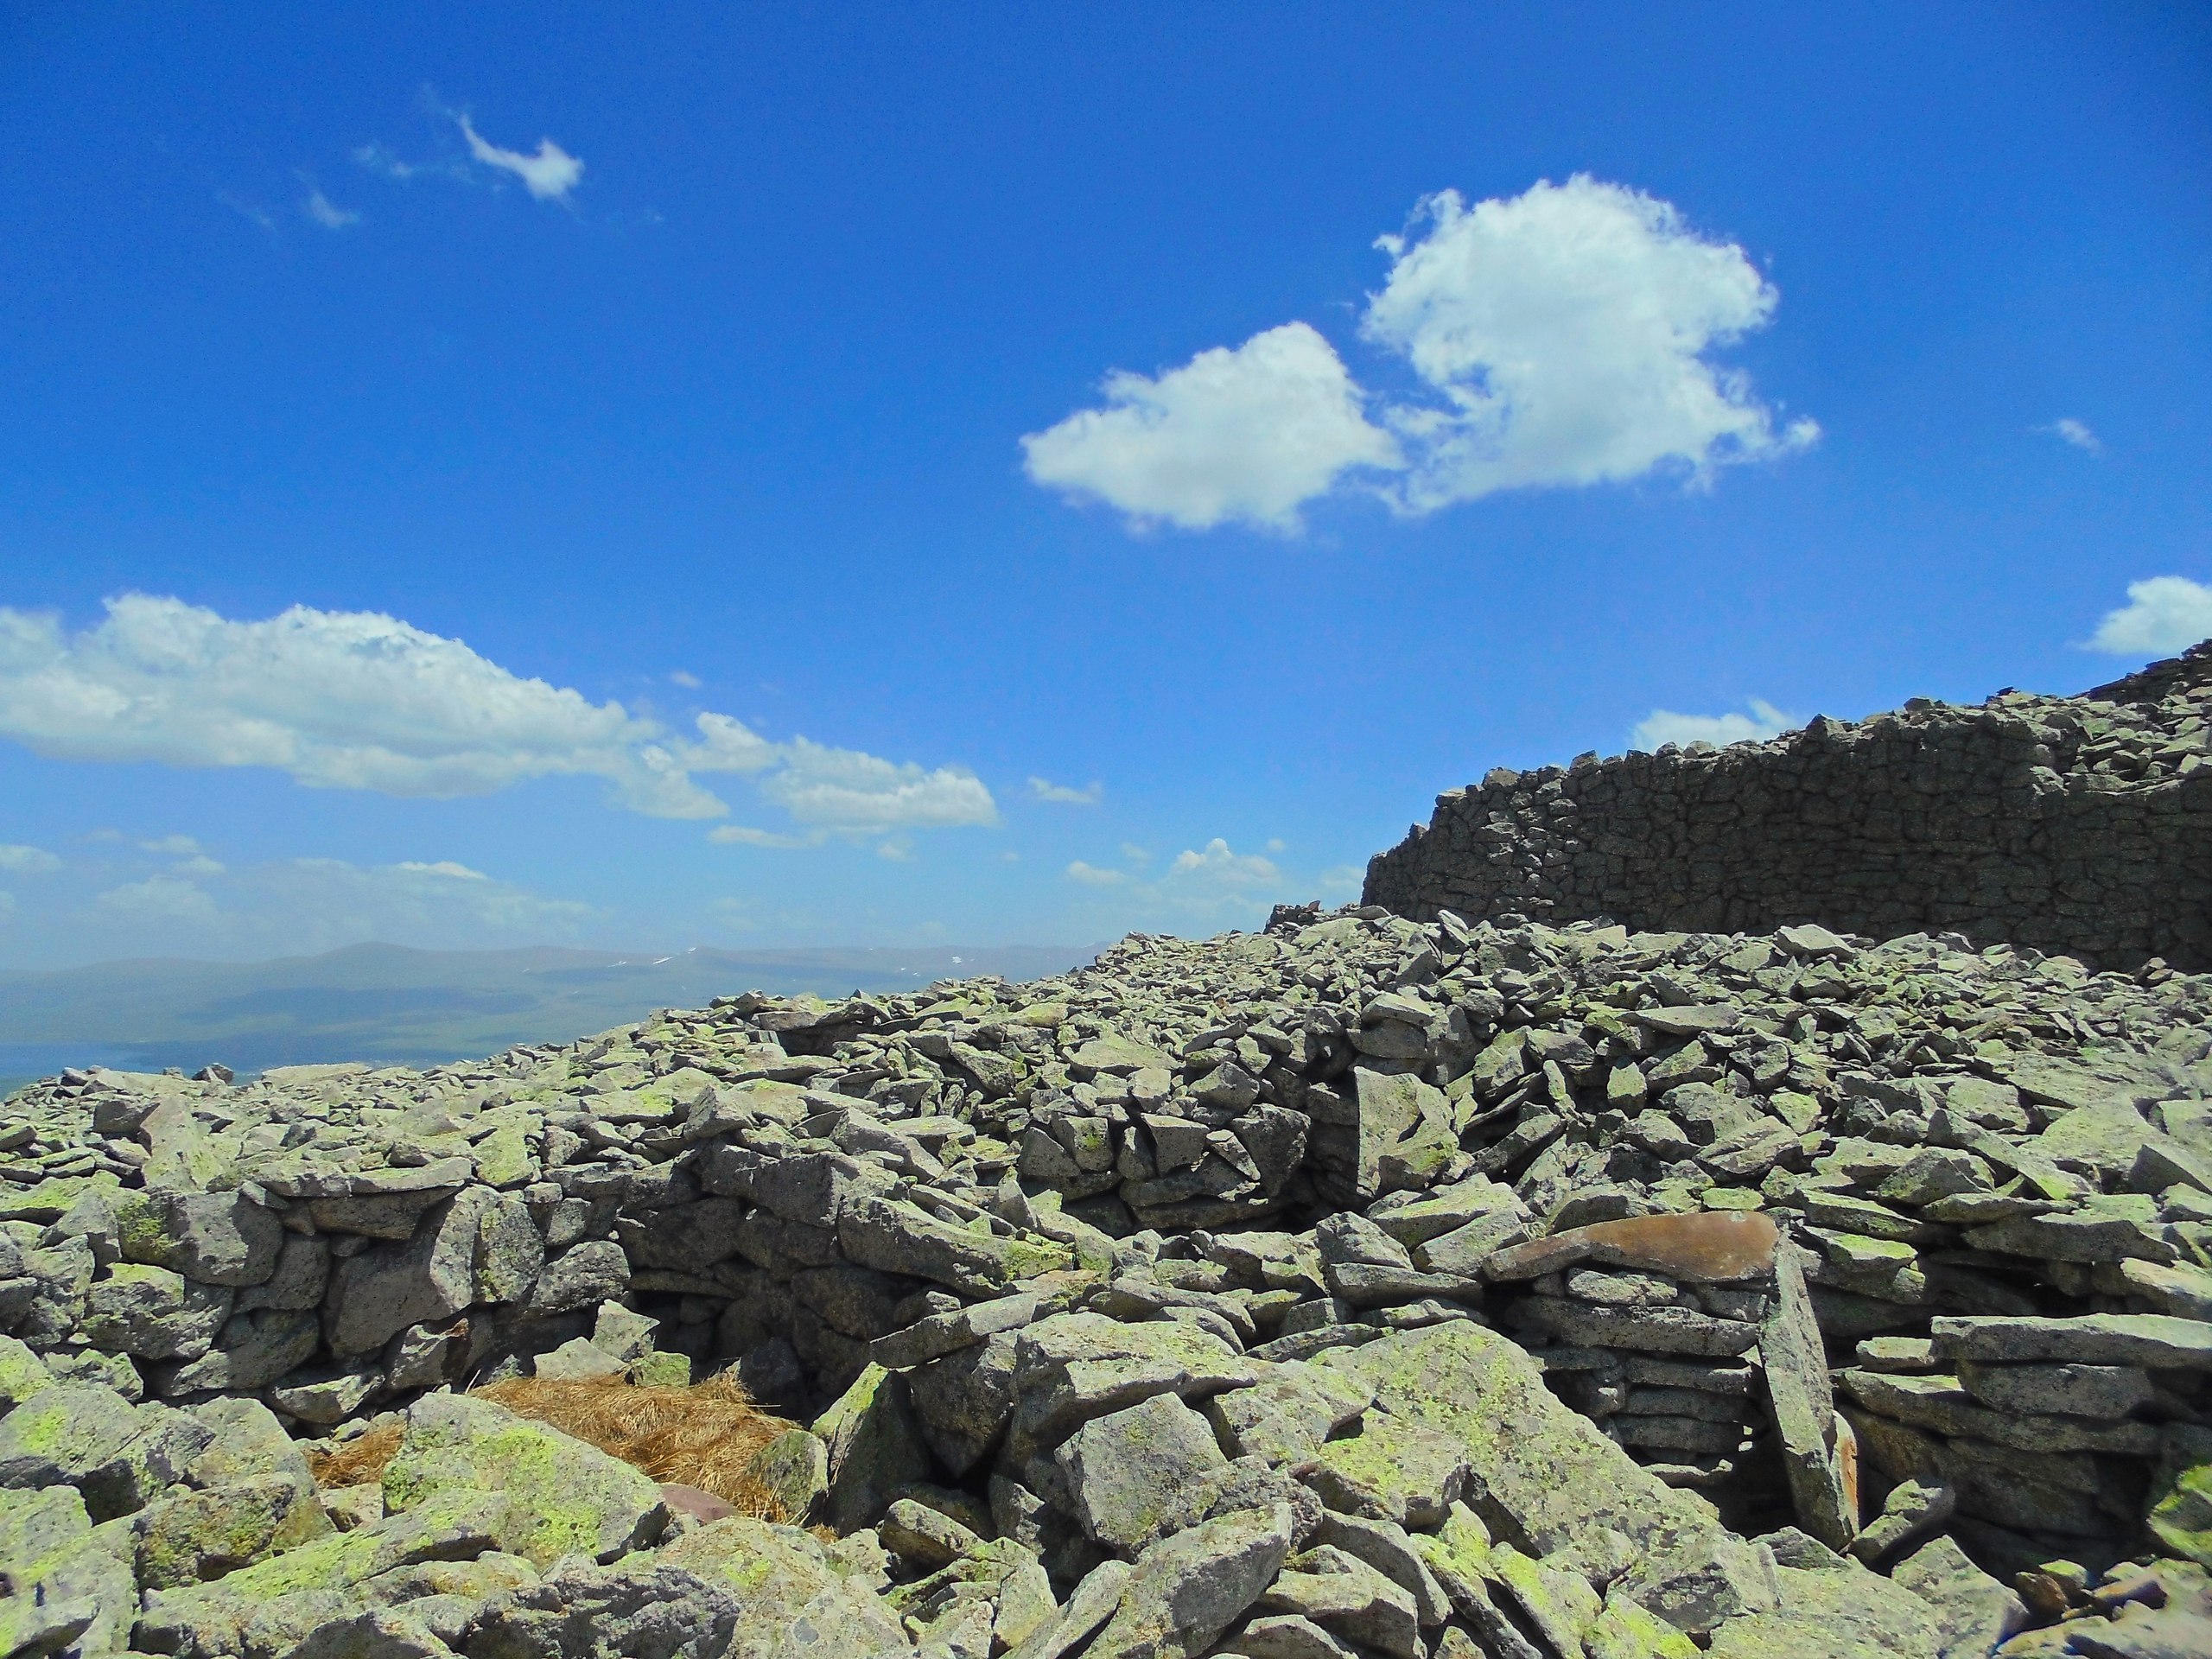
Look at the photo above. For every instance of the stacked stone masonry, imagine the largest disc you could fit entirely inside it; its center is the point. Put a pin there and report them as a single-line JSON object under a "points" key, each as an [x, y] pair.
{"points": [[2074, 824], [1367, 1287]]}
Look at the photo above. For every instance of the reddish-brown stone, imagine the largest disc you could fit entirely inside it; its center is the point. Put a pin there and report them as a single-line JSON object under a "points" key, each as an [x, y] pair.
{"points": [[1713, 1247]]}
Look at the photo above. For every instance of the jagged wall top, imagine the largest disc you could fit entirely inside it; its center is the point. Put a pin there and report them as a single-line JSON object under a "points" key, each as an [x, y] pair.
{"points": [[2074, 824]]}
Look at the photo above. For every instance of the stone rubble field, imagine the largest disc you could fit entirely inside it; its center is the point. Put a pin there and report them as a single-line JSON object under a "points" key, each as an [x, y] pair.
{"points": [[1359, 1288]]}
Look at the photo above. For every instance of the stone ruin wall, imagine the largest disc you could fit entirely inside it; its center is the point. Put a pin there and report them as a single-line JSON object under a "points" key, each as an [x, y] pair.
{"points": [[2075, 825]]}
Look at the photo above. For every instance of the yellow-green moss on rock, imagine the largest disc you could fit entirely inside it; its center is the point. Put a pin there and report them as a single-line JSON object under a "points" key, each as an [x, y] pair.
{"points": [[561, 1495]]}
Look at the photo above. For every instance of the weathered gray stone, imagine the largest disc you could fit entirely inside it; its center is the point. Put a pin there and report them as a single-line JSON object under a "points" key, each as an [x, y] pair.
{"points": [[1802, 1405], [1288, 1412], [1389, 1550], [794, 1470], [795, 1598], [965, 1399], [212, 1238], [1132, 1474], [1974, 1612], [2156, 1340], [1188, 1588], [875, 1449], [153, 1313], [1073, 1367], [192, 1537], [580, 1277], [1393, 1470], [1838, 1613], [558, 1496], [440, 1271], [2106, 1392], [118, 1455], [1546, 1480], [948, 1332], [1342, 1593], [896, 1238]]}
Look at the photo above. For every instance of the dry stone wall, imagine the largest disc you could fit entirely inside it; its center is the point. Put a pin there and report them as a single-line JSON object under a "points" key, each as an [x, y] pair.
{"points": [[2074, 824]]}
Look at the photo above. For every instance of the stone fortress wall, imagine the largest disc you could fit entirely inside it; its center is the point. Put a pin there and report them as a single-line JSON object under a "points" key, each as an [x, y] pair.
{"points": [[2081, 825]]}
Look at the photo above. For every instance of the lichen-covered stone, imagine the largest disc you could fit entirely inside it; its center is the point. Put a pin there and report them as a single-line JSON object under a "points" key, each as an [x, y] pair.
{"points": [[560, 1497], [1187, 1589]]}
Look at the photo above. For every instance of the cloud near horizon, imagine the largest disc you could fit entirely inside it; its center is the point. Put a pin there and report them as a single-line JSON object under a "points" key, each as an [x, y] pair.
{"points": [[2162, 615], [359, 700], [1559, 338], [1664, 726], [300, 905], [1211, 883]]}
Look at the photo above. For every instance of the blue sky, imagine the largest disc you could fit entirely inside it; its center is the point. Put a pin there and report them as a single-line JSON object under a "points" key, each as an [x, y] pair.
{"points": [[1014, 431]]}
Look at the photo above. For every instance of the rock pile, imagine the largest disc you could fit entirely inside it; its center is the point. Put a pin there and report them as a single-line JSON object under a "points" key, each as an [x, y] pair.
{"points": [[2075, 824], [1364, 1287]]}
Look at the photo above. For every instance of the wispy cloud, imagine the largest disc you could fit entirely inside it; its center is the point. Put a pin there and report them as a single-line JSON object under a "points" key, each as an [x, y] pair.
{"points": [[2162, 615], [1561, 338], [2067, 429], [1092, 875], [1664, 726], [325, 213], [1062, 795], [27, 861], [377, 159], [253, 211], [549, 175], [359, 700], [741, 835]]}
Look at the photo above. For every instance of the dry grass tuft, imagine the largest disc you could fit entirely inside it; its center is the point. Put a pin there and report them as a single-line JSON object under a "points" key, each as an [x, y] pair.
{"points": [[702, 1435], [359, 1461]]}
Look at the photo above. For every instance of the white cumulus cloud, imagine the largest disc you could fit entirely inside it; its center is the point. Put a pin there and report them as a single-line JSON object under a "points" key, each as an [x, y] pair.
{"points": [[1092, 875], [1244, 435], [1044, 789], [2162, 615], [358, 700], [1561, 337], [1664, 726], [549, 176], [844, 789], [30, 861], [1567, 329]]}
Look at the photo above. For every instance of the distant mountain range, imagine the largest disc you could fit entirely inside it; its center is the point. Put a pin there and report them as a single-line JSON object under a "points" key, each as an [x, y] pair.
{"points": [[394, 1006]]}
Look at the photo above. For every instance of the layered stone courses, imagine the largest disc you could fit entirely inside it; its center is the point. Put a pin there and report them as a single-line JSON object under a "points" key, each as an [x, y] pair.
{"points": [[2074, 824]]}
